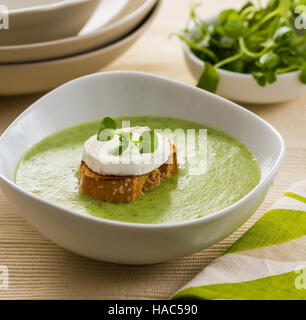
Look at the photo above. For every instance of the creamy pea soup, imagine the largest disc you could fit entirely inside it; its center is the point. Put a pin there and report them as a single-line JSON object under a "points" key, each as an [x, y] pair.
{"points": [[50, 171]]}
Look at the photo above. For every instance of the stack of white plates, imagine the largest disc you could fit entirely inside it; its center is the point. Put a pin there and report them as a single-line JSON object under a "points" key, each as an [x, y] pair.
{"points": [[110, 29]]}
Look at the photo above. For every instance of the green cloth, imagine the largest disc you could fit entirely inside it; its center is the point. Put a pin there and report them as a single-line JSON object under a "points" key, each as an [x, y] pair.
{"points": [[267, 262]]}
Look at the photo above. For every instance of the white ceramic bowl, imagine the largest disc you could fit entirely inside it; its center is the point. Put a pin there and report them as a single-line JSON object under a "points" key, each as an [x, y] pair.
{"points": [[130, 7], [243, 87], [94, 35], [24, 78], [33, 21], [134, 93]]}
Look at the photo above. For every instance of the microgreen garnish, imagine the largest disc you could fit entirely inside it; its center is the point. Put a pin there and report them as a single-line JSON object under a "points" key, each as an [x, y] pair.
{"points": [[107, 129], [147, 142], [105, 135], [261, 41], [108, 123]]}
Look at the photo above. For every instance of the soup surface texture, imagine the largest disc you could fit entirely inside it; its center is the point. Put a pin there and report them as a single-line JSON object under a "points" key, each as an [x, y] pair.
{"points": [[50, 171]]}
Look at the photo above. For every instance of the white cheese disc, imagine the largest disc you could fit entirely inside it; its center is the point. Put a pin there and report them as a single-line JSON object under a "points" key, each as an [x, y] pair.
{"points": [[99, 158]]}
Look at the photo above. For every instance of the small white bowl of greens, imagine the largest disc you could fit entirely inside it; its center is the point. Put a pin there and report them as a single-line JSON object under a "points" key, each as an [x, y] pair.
{"points": [[253, 54]]}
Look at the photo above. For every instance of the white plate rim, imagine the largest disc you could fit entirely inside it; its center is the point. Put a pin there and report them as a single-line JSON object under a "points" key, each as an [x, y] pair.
{"points": [[139, 28], [45, 7], [77, 38]]}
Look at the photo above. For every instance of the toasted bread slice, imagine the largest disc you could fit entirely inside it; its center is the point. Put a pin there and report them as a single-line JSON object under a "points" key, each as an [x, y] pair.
{"points": [[124, 188]]}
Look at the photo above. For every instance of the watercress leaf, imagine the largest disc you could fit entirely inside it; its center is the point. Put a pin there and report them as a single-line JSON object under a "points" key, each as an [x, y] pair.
{"points": [[269, 60], [248, 10], [209, 79], [108, 123], [288, 57], [148, 142], [246, 5], [284, 6], [272, 5], [236, 65], [302, 75], [105, 134], [121, 148], [270, 76], [224, 16], [284, 33], [226, 42], [260, 78], [235, 28], [205, 54], [199, 50]]}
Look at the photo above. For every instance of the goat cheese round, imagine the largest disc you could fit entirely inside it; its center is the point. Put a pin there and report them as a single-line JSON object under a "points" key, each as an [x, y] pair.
{"points": [[99, 158]]}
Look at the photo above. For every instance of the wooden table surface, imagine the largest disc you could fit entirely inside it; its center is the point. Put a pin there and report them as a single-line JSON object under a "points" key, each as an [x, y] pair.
{"points": [[40, 269]]}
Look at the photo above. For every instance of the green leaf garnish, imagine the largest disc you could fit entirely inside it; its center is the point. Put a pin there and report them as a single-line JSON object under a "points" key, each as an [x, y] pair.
{"points": [[108, 123], [260, 78], [148, 142], [257, 40], [209, 79], [107, 129], [270, 76], [283, 33], [105, 135], [269, 60]]}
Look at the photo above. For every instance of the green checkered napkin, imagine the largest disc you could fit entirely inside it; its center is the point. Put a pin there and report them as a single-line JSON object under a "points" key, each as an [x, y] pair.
{"points": [[267, 262]]}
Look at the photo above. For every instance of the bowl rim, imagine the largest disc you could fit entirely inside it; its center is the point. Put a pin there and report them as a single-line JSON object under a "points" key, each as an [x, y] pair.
{"points": [[200, 63], [60, 4], [108, 28], [185, 224]]}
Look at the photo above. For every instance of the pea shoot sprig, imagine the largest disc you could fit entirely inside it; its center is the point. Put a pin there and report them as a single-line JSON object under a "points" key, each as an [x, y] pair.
{"points": [[256, 40], [147, 142]]}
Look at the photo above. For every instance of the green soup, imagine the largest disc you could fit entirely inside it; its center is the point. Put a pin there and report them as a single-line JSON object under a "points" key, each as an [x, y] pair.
{"points": [[50, 171]]}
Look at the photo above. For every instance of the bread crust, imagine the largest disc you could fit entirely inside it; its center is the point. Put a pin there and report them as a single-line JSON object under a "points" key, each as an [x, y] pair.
{"points": [[125, 188]]}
